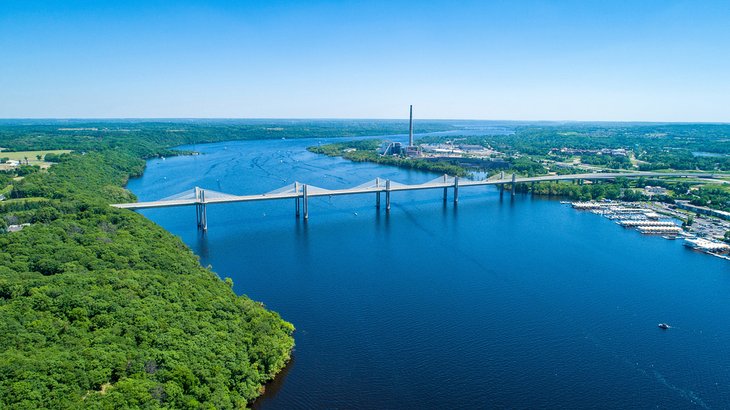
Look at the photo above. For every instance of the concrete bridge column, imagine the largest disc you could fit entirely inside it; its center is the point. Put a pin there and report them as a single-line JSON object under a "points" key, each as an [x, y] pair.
{"points": [[197, 207], [456, 190], [446, 192], [204, 223], [387, 195], [514, 184], [377, 194], [203, 212], [305, 201], [296, 200]]}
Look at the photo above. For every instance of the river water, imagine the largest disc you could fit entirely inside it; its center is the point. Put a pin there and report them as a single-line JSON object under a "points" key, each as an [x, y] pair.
{"points": [[496, 302]]}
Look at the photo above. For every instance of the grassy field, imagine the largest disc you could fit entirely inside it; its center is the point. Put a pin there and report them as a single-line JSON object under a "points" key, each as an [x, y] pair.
{"points": [[32, 156]]}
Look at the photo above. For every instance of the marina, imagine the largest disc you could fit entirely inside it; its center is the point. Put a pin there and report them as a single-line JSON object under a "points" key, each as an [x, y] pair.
{"points": [[440, 276], [645, 219], [356, 205], [706, 245], [641, 222]]}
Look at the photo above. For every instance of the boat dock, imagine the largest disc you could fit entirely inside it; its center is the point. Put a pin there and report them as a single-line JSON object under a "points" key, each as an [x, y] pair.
{"points": [[706, 245], [661, 230], [649, 222], [632, 223]]}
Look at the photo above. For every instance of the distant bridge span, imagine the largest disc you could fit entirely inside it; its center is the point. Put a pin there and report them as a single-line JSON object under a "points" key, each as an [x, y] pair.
{"points": [[301, 192]]}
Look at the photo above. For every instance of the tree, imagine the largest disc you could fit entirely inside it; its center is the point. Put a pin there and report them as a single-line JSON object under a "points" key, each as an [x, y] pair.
{"points": [[108, 310]]}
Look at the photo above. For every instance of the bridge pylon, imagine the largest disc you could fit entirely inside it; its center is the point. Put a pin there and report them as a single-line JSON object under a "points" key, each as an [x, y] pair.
{"points": [[305, 202], [446, 190], [201, 211], [387, 195], [296, 200], [456, 190], [377, 194]]}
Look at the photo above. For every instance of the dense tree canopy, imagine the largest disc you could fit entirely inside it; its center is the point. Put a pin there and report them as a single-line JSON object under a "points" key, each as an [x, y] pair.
{"points": [[101, 308]]}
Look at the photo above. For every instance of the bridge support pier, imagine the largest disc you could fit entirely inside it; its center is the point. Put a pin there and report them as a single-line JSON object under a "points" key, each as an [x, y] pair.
{"points": [[456, 190], [296, 201], [204, 218], [377, 194], [446, 189], [201, 212], [387, 195], [514, 184], [305, 200], [198, 215]]}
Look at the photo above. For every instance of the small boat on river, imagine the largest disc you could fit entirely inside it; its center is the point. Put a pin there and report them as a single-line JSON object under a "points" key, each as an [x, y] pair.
{"points": [[663, 326]]}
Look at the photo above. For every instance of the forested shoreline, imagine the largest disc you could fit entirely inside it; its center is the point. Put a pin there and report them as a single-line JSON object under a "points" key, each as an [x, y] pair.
{"points": [[541, 149], [365, 152], [101, 308]]}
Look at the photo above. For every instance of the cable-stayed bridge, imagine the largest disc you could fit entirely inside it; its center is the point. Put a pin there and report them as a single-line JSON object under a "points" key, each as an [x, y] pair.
{"points": [[302, 192]]}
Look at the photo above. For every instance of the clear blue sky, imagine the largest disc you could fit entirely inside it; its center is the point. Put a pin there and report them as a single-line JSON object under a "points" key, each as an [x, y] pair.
{"points": [[520, 60]]}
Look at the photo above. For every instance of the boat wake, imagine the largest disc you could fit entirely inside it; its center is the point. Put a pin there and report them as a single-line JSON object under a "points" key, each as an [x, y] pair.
{"points": [[652, 374], [686, 393]]}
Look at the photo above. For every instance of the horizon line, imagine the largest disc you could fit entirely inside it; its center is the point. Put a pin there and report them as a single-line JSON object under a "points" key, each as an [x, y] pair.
{"points": [[141, 119]]}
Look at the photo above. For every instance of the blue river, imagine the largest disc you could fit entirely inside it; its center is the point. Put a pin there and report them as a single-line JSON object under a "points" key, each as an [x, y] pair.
{"points": [[497, 302]]}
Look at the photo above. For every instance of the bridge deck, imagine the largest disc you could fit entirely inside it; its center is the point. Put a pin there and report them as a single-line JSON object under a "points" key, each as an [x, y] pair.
{"points": [[431, 185]]}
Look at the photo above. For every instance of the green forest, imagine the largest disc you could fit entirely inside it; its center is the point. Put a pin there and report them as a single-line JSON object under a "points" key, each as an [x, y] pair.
{"points": [[101, 308], [152, 138], [534, 149], [656, 146]]}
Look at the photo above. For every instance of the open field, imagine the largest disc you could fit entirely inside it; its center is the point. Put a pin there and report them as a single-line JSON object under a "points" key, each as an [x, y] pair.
{"points": [[32, 156]]}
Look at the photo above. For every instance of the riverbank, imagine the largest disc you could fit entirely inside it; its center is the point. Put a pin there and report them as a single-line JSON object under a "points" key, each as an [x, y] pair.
{"points": [[102, 307], [364, 151], [367, 289]]}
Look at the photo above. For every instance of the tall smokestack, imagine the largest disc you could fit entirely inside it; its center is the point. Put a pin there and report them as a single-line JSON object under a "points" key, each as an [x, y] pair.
{"points": [[410, 130]]}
